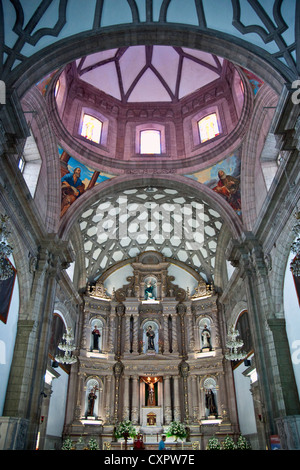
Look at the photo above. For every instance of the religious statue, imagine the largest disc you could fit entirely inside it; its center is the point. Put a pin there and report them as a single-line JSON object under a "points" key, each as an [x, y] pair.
{"points": [[150, 290], [151, 395], [210, 402], [151, 335], [206, 343], [96, 334], [91, 401]]}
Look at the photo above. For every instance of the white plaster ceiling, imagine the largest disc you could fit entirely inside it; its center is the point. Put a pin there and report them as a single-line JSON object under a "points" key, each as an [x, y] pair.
{"points": [[149, 73]]}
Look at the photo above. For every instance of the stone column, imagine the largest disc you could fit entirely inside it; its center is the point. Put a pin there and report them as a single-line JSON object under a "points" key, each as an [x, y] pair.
{"points": [[201, 401], [285, 366], [23, 397], [190, 329], [118, 370], [135, 344], [184, 372], [166, 333], [194, 397], [127, 333], [112, 330], [126, 409], [167, 400], [271, 367], [177, 411], [174, 333], [181, 308], [81, 392], [135, 400], [107, 407]]}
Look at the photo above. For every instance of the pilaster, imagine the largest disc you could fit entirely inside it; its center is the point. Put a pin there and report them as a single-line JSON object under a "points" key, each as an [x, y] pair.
{"points": [[23, 398]]}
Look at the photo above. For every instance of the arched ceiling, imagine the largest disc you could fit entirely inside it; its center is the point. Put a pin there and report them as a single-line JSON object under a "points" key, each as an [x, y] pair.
{"points": [[181, 227], [149, 73]]}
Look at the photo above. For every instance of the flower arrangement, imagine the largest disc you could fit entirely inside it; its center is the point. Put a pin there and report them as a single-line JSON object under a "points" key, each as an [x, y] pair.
{"points": [[67, 444], [242, 443], [177, 430], [93, 445], [125, 427], [213, 444], [228, 444]]}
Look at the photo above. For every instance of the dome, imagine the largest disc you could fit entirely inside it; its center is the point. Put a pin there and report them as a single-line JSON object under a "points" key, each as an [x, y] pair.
{"points": [[149, 73], [172, 91]]}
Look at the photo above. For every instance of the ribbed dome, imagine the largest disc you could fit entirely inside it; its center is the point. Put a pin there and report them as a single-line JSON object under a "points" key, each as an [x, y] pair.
{"points": [[149, 73]]}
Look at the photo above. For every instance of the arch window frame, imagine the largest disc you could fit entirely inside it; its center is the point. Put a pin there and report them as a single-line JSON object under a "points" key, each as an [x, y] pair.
{"points": [[150, 126], [219, 112], [208, 139], [104, 127]]}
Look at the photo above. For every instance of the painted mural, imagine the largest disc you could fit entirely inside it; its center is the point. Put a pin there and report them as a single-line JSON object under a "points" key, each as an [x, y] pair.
{"points": [[43, 84], [76, 179], [254, 81], [224, 179]]}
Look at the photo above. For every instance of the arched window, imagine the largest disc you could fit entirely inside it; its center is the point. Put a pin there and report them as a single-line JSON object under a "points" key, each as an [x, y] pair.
{"points": [[150, 141], [208, 127], [91, 128]]}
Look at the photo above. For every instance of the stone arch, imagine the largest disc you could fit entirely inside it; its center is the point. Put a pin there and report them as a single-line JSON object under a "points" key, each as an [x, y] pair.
{"points": [[34, 104], [187, 185], [64, 312], [240, 307], [81, 44], [265, 103], [280, 256]]}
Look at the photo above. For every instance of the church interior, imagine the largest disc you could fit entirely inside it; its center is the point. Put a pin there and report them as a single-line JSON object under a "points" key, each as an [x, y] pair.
{"points": [[150, 223]]}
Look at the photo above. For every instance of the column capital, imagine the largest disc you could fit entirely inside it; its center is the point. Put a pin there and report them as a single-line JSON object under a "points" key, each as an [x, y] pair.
{"points": [[247, 254]]}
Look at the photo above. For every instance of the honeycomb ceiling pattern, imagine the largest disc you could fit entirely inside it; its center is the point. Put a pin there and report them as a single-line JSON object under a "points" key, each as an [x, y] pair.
{"points": [[149, 73], [178, 226]]}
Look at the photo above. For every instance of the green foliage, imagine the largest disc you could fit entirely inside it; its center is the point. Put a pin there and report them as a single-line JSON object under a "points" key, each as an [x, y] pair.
{"points": [[125, 427]]}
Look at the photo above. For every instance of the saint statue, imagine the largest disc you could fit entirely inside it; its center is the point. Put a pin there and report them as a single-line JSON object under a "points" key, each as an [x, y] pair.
{"points": [[150, 290], [210, 402], [151, 335], [151, 395], [206, 343], [91, 401], [96, 333]]}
